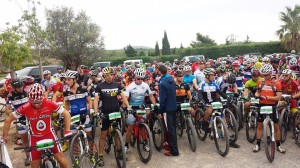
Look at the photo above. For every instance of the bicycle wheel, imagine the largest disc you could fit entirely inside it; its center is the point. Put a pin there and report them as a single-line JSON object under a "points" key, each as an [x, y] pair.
{"points": [[231, 125], [179, 123], [119, 150], [107, 145], [297, 128], [191, 133], [251, 126], [198, 125], [237, 115], [144, 143], [48, 164], [80, 156], [94, 126], [240, 107], [132, 138], [123, 122], [283, 124], [158, 133], [269, 140], [220, 134]]}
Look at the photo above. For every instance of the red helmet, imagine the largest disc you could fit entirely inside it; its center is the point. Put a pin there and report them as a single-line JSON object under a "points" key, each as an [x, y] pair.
{"points": [[236, 64], [36, 93], [255, 72]]}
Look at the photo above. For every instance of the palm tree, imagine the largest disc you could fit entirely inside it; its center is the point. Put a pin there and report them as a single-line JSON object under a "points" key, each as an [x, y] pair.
{"points": [[289, 33]]}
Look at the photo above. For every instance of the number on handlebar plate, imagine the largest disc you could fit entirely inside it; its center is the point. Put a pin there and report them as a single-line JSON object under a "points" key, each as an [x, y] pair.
{"points": [[152, 106], [254, 101], [266, 110], [216, 105], [75, 119], [185, 106], [114, 115], [44, 144], [140, 112]]}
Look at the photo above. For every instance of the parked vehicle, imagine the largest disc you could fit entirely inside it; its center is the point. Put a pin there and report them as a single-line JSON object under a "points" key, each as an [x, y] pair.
{"points": [[137, 61], [101, 64]]}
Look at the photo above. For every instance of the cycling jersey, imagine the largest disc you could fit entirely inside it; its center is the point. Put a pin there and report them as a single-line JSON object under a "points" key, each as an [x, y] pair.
{"points": [[108, 94], [199, 75], [17, 99], [48, 83], [188, 79], [181, 92], [239, 79], [57, 87], [136, 93], [39, 119], [290, 87], [209, 91], [223, 85], [247, 73], [251, 84], [269, 88], [78, 103]]}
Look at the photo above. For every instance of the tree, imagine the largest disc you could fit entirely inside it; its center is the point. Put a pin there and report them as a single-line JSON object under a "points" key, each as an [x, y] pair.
{"points": [[165, 45], [73, 39], [247, 39], [157, 51], [130, 51], [202, 41], [181, 46], [142, 53], [12, 52], [290, 30]]}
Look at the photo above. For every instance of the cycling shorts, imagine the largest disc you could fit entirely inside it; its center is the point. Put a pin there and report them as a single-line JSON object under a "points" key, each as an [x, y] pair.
{"points": [[274, 116], [106, 123], [36, 155]]}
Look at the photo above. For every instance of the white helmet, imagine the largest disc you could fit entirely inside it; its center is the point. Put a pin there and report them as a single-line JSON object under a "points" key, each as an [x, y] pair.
{"points": [[287, 71], [46, 72], [266, 59], [108, 70], [266, 69], [293, 62], [139, 73], [187, 68], [71, 74]]}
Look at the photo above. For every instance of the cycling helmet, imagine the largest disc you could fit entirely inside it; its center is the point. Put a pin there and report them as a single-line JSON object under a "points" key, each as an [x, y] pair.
{"points": [[258, 65], [223, 62], [236, 64], [221, 69], [293, 52], [175, 60], [266, 69], [255, 72], [147, 77], [266, 59], [59, 67], [36, 93], [29, 79], [293, 62], [139, 73], [187, 68], [46, 72], [231, 78], [16, 83], [181, 67], [178, 73], [108, 70], [71, 74], [208, 71], [287, 71], [93, 73], [250, 60], [62, 75]]}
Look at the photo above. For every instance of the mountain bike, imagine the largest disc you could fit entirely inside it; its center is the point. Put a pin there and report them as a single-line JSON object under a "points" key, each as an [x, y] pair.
{"points": [[157, 127], [3, 115], [114, 137], [251, 120], [83, 149]]}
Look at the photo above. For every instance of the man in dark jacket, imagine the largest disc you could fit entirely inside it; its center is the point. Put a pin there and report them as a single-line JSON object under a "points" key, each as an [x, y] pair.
{"points": [[167, 102]]}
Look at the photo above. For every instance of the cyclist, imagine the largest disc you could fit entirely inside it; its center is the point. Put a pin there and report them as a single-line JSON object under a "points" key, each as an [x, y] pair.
{"points": [[239, 75], [38, 112], [269, 91], [189, 78], [59, 72], [200, 77], [136, 92], [27, 83], [77, 101], [128, 75], [48, 80], [107, 92], [17, 98]]}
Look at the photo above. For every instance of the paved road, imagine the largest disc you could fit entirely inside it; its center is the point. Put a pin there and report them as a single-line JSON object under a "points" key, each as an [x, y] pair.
{"points": [[205, 156]]}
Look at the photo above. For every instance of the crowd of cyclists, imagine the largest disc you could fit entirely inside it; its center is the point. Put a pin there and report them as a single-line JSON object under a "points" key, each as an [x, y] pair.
{"points": [[128, 88]]}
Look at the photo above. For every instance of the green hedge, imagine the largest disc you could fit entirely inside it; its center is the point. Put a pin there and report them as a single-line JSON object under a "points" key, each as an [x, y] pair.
{"points": [[234, 49], [145, 59]]}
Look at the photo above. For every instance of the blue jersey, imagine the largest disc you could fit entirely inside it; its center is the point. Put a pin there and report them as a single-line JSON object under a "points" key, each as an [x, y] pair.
{"points": [[239, 79], [188, 79], [209, 91], [78, 102], [137, 93]]}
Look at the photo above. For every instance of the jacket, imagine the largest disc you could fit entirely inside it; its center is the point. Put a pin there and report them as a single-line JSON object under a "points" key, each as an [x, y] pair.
{"points": [[167, 94]]}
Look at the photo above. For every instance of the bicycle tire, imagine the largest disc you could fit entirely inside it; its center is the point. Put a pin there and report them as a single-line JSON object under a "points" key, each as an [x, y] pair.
{"points": [[144, 131], [252, 116], [202, 134], [283, 124], [107, 145], [297, 129], [3, 116], [219, 120], [240, 107], [268, 142], [238, 116], [121, 160], [179, 123], [158, 133], [132, 138], [48, 164], [79, 137], [191, 134], [123, 123], [94, 126], [232, 125]]}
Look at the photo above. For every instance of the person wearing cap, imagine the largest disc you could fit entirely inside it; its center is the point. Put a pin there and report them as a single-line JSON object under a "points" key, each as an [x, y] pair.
{"points": [[59, 71], [48, 79]]}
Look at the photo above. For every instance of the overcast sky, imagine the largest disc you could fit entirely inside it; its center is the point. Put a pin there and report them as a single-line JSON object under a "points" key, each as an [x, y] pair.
{"points": [[142, 22]]}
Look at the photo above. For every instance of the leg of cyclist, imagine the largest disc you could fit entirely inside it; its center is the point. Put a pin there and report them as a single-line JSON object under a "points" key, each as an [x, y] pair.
{"points": [[130, 121], [207, 114], [61, 159], [103, 135], [275, 119], [259, 134], [35, 163]]}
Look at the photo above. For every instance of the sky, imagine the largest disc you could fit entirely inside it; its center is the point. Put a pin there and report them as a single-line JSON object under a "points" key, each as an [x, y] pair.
{"points": [[143, 22]]}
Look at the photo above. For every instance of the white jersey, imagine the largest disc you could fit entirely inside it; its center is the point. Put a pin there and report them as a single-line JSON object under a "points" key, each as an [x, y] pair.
{"points": [[199, 75], [136, 93]]}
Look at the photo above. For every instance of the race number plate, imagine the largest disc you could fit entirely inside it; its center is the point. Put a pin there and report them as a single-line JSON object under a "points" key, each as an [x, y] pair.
{"points": [[114, 115], [152, 106], [216, 105], [266, 110], [254, 101], [185, 106], [44, 144], [223, 100], [75, 119], [140, 112]]}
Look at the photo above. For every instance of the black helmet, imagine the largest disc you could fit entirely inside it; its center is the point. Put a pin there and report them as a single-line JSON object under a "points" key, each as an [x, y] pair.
{"points": [[147, 77], [231, 78], [94, 73], [16, 83], [178, 73]]}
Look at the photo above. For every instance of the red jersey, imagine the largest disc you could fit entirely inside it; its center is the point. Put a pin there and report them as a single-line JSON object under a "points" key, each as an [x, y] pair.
{"points": [[8, 86], [194, 67], [290, 87], [57, 87], [39, 119]]}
